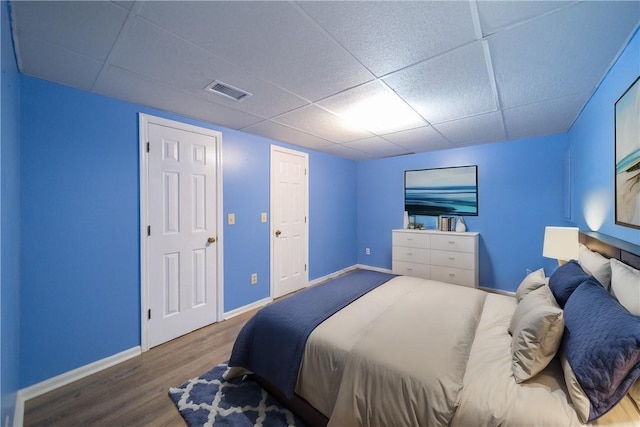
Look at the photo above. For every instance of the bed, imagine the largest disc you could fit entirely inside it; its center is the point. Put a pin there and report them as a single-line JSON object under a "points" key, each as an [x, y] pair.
{"points": [[417, 352]]}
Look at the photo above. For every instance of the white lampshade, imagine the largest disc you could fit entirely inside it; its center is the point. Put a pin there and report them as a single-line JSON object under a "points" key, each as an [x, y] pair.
{"points": [[560, 243]]}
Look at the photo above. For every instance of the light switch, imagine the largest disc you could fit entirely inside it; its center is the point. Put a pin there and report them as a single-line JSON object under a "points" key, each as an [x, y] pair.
{"points": [[263, 217], [231, 219]]}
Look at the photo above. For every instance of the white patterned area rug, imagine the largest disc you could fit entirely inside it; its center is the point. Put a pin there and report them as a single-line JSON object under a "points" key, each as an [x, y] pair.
{"points": [[210, 400]]}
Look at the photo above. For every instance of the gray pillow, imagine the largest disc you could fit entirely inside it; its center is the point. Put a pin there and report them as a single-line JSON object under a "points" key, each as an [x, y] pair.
{"points": [[596, 265], [536, 328], [625, 286], [533, 281]]}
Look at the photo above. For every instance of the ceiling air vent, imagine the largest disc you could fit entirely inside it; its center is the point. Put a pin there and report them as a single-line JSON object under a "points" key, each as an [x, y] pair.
{"points": [[227, 91]]}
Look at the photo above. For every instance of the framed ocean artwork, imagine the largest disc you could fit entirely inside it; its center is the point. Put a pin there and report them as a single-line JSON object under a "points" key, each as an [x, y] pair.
{"points": [[627, 157], [441, 191]]}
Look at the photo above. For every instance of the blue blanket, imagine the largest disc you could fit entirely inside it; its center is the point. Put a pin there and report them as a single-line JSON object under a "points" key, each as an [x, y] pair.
{"points": [[272, 342]]}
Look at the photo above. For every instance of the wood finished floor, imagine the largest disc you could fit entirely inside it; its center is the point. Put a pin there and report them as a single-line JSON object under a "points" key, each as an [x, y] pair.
{"points": [[135, 392]]}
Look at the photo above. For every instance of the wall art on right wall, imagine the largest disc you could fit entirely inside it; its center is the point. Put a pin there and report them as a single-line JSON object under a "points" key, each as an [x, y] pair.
{"points": [[627, 157]]}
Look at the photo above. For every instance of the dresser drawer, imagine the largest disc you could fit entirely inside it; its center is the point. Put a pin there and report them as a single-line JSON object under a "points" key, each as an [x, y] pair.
{"points": [[411, 269], [464, 260], [411, 240], [451, 242], [454, 275], [403, 253]]}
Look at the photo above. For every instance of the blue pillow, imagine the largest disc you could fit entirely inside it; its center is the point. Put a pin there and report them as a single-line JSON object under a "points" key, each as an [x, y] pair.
{"points": [[565, 280], [601, 343]]}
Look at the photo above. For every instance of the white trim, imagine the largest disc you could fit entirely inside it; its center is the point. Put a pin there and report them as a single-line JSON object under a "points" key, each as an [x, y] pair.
{"points": [[144, 120], [67, 378], [271, 210], [372, 268], [240, 310], [497, 291], [332, 275]]}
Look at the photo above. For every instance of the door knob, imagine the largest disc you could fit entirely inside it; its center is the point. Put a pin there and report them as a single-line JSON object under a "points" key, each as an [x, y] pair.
{"points": [[211, 240], [278, 233]]}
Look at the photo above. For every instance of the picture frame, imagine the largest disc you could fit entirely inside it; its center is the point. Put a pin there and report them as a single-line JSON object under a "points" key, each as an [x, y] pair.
{"points": [[627, 157], [442, 191]]}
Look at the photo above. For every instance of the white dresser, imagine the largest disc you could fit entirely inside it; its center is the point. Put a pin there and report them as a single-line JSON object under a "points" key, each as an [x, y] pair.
{"points": [[439, 255]]}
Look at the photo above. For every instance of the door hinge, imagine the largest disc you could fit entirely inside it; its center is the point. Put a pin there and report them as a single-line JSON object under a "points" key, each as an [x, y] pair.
{"points": [[148, 147], [305, 219], [305, 267], [149, 314], [305, 171], [148, 230]]}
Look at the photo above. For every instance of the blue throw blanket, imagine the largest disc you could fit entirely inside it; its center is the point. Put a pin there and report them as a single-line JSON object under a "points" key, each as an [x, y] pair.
{"points": [[272, 342]]}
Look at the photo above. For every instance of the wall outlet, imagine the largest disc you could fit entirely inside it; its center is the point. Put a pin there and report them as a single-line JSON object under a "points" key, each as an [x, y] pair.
{"points": [[263, 217], [254, 278], [231, 219], [367, 251]]}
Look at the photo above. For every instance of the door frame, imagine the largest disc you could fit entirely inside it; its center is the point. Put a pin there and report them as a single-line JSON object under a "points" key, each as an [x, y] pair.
{"points": [[271, 211], [144, 120]]}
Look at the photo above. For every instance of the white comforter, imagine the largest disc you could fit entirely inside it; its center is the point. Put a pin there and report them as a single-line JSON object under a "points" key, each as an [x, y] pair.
{"points": [[417, 352]]}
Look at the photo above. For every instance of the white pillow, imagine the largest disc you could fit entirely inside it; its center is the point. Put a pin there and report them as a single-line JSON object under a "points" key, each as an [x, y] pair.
{"points": [[625, 285], [537, 326], [596, 265], [533, 281]]}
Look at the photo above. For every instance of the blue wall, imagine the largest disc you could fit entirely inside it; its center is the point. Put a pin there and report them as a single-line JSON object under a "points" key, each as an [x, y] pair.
{"points": [[519, 191], [80, 262], [592, 150], [9, 221]]}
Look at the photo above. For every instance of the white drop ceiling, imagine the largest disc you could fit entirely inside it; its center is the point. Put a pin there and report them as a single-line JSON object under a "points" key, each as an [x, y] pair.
{"points": [[475, 71]]}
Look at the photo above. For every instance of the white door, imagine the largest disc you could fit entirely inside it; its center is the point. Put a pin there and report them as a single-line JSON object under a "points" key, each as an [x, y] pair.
{"points": [[289, 227], [182, 240]]}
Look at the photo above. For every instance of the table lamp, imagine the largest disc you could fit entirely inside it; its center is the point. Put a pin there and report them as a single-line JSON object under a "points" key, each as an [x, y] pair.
{"points": [[560, 243]]}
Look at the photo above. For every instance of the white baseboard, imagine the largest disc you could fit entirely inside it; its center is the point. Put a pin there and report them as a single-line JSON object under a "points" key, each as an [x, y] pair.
{"points": [[372, 268], [331, 276], [497, 291], [68, 377], [237, 311]]}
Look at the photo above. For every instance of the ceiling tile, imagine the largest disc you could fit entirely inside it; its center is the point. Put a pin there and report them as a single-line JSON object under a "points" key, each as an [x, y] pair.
{"points": [[543, 118], [389, 111], [453, 85], [419, 140], [122, 84], [316, 121], [50, 62], [387, 36], [269, 39], [495, 15], [146, 49], [283, 133], [584, 38], [348, 153], [377, 147], [86, 27], [474, 130]]}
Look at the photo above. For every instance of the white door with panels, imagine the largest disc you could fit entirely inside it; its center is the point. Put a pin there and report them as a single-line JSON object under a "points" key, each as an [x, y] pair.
{"points": [[182, 241], [289, 220]]}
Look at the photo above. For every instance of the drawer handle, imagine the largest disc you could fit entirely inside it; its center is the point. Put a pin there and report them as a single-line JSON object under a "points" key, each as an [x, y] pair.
{"points": [[410, 253], [452, 258], [452, 274], [409, 269], [409, 238], [452, 242]]}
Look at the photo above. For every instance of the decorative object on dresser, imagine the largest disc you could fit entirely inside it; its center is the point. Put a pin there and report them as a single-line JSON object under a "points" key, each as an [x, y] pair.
{"points": [[461, 226], [627, 157], [446, 256]]}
